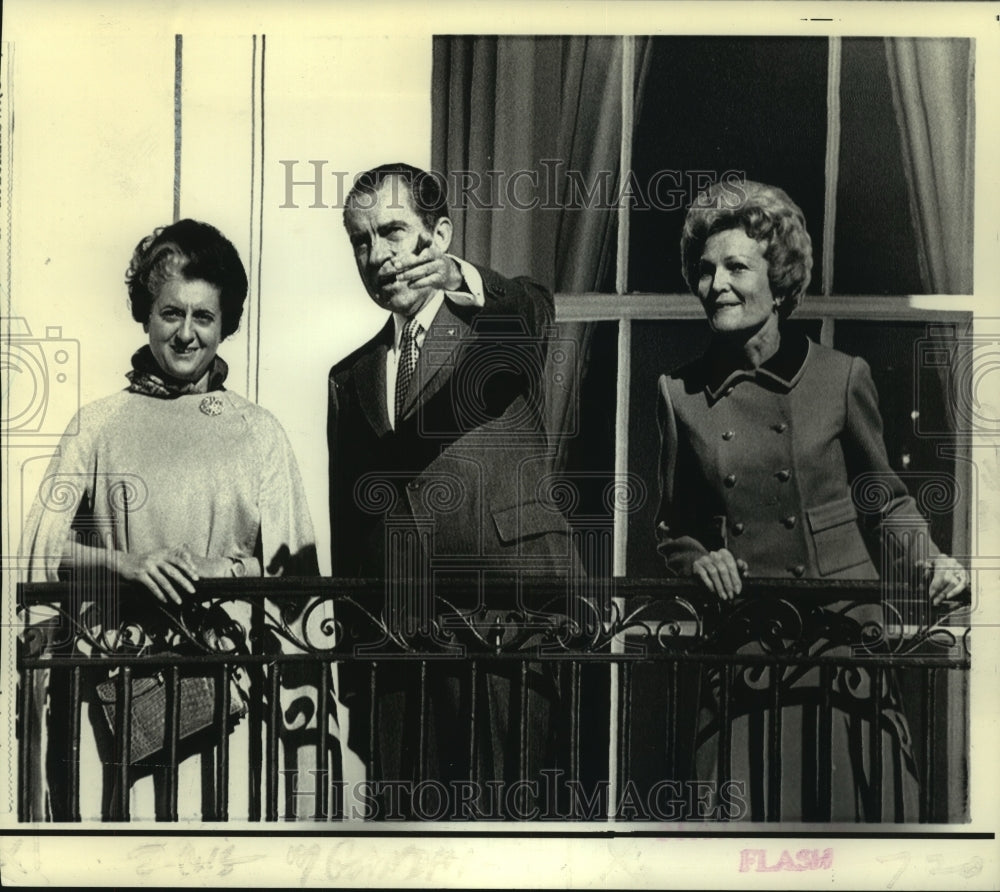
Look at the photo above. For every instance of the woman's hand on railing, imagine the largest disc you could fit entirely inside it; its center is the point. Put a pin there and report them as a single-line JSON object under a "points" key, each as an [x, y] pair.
{"points": [[160, 570], [721, 573], [157, 570], [947, 578]]}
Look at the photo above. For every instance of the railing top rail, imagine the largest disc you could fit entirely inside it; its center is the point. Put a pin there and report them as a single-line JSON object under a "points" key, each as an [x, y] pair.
{"points": [[501, 587]]}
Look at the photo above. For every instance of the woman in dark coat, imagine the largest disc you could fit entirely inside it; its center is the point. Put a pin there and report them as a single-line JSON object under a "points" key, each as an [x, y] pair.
{"points": [[763, 438]]}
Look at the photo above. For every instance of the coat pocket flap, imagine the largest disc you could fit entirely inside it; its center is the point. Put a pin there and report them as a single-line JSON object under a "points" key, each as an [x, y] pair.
{"points": [[831, 514], [527, 519]]}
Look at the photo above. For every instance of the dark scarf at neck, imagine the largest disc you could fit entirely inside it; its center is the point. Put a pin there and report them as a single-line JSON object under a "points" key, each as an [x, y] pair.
{"points": [[148, 378]]}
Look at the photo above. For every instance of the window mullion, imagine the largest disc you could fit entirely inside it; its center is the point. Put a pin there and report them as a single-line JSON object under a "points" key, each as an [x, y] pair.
{"points": [[832, 164]]}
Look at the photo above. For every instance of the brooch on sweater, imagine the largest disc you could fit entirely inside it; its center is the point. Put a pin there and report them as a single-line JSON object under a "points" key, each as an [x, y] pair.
{"points": [[211, 405]]}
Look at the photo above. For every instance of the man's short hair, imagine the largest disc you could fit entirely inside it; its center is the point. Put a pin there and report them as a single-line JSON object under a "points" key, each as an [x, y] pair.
{"points": [[427, 192]]}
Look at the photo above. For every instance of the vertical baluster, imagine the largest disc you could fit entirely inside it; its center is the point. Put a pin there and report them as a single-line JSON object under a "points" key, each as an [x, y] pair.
{"points": [[423, 729], [273, 716], [824, 740], [671, 712], [574, 725], [876, 742], [173, 674], [25, 751], [73, 780], [624, 726], [929, 677], [474, 700], [123, 742], [337, 785], [255, 713], [522, 736], [372, 766], [725, 728], [774, 748], [222, 774], [322, 762]]}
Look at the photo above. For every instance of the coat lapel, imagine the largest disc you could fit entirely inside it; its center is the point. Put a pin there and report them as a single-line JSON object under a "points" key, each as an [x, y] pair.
{"points": [[436, 361], [369, 376]]}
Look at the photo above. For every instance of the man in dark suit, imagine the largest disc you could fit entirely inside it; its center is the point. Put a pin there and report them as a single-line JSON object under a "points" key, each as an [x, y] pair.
{"points": [[439, 465]]}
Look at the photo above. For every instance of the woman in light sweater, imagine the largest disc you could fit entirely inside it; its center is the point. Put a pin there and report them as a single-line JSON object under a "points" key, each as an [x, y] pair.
{"points": [[175, 478]]}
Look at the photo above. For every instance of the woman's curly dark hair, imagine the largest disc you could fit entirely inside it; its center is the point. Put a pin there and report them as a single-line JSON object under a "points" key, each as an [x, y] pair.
{"points": [[192, 251], [764, 213]]}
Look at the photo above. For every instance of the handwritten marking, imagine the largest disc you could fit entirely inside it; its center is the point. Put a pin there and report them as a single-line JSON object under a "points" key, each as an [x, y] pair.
{"points": [[190, 860], [14, 855], [904, 856], [804, 859], [967, 869]]}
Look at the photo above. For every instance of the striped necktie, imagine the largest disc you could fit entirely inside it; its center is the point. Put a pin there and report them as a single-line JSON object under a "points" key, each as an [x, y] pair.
{"points": [[408, 352]]}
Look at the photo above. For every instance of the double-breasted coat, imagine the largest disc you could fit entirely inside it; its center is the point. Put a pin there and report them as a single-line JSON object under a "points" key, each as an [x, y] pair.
{"points": [[785, 467]]}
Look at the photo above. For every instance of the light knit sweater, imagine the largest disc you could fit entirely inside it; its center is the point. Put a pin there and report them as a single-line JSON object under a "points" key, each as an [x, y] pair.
{"points": [[212, 471]]}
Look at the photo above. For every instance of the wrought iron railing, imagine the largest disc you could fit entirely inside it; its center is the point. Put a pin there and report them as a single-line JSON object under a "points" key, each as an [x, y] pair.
{"points": [[630, 659]]}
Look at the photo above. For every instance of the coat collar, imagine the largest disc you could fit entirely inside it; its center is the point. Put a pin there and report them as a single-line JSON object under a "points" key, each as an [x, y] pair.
{"points": [[784, 369]]}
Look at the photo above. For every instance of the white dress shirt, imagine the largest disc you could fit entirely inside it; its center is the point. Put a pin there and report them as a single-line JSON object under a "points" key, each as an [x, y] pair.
{"points": [[425, 316]]}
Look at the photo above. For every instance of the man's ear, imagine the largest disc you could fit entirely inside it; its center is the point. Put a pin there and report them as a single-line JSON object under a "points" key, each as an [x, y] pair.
{"points": [[443, 231]]}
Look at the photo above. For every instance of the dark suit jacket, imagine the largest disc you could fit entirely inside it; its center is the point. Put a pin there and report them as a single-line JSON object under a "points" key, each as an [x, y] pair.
{"points": [[466, 469], [787, 468], [460, 484]]}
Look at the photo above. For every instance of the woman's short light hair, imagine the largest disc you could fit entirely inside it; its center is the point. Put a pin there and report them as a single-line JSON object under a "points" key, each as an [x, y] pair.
{"points": [[764, 213]]}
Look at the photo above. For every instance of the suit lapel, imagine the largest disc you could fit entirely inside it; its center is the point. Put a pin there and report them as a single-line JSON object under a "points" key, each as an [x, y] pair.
{"points": [[436, 361], [369, 374]]}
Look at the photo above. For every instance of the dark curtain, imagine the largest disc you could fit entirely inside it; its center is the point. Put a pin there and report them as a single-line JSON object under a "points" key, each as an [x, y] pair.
{"points": [[532, 118]]}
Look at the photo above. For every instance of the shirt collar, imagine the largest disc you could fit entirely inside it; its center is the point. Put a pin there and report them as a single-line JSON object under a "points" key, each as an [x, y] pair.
{"points": [[425, 316], [783, 369]]}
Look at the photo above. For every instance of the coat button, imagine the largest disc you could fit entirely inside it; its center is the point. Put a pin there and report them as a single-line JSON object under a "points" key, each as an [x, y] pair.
{"points": [[728, 435], [738, 528], [730, 480], [784, 475], [780, 427], [789, 521], [797, 570], [414, 485]]}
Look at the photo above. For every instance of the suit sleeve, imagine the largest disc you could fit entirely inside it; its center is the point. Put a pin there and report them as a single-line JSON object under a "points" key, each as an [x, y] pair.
{"points": [[673, 537], [334, 475], [346, 534], [521, 298], [897, 522]]}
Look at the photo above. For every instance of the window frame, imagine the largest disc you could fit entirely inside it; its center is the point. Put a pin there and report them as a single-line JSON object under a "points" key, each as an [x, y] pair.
{"points": [[624, 307]]}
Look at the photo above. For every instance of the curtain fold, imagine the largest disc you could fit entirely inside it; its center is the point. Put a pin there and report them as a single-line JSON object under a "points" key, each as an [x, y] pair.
{"points": [[536, 123], [932, 82], [932, 89]]}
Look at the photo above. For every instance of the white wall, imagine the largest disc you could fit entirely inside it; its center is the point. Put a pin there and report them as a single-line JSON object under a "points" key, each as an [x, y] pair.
{"points": [[353, 104], [93, 170]]}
